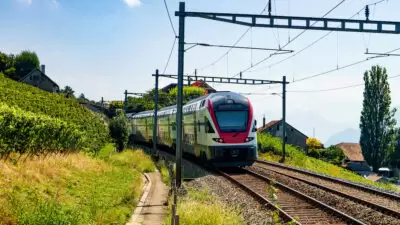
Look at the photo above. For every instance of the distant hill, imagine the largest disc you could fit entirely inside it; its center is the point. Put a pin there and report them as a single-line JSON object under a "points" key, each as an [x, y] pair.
{"points": [[348, 135]]}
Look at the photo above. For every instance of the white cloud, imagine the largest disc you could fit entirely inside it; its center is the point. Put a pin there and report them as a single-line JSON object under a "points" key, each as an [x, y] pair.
{"points": [[27, 2], [133, 3]]}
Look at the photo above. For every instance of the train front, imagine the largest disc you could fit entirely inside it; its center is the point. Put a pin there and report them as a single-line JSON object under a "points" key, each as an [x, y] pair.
{"points": [[235, 142]]}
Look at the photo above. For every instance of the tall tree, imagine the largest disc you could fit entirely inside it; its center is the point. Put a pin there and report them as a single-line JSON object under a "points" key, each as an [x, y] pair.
{"points": [[377, 121], [25, 62]]}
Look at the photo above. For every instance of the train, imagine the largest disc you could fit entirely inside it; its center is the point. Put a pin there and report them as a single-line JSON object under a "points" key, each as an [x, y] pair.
{"points": [[218, 128]]}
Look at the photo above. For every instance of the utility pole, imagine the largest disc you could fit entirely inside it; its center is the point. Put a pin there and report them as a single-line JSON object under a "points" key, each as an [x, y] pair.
{"points": [[155, 127], [181, 52], [283, 119]]}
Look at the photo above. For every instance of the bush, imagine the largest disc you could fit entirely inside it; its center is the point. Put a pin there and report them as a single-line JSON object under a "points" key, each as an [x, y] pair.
{"points": [[313, 143], [26, 132], [56, 106], [119, 131]]}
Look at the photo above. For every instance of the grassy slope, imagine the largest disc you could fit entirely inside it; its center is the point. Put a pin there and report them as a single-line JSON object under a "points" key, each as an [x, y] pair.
{"points": [[35, 100], [201, 208], [72, 189], [272, 148]]}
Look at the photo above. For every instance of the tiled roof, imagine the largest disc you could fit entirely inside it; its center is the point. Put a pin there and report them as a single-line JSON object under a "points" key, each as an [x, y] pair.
{"points": [[268, 125], [352, 151]]}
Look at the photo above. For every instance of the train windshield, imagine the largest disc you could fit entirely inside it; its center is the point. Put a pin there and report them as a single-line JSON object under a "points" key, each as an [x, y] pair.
{"points": [[232, 121]]}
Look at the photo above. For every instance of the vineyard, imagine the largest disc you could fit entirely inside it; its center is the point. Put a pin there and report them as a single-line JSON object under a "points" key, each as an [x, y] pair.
{"points": [[34, 120]]}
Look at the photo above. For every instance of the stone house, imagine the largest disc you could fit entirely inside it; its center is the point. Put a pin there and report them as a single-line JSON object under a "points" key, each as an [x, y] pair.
{"points": [[293, 136], [39, 79]]}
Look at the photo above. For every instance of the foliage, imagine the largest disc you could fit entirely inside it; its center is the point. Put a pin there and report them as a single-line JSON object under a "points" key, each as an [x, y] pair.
{"points": [[7, 65], [201, 208], [164, 99], [189, 93], [313, 143], [270, 148], [70, 189], [83, 99], [332, 154], [26, 132], [118, 127], [377, 120], [68, 92], [30, 99], [395, 155], [25, 62]]}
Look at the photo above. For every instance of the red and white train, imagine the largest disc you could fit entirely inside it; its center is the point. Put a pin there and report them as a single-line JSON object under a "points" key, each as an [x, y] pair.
{"points": [[218, 128]]}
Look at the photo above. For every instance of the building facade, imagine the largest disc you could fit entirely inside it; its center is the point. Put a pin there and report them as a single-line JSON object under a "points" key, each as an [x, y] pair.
{"points": [[39, 79], [293, 136]]}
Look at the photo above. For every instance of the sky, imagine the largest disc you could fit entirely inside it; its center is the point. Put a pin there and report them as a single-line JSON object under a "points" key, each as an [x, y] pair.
{"points": [[101, 48]]}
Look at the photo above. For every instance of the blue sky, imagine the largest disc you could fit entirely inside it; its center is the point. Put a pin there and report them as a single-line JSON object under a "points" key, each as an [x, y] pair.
{"points": [[103, 47]]}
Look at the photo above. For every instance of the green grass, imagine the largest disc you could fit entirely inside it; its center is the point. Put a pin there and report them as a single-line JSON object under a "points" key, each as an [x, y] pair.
{"points": [[271, 150], [72, 189], [201, 208]]}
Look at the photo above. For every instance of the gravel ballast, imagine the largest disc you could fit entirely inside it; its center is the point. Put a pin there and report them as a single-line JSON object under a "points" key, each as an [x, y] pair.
{"points": [[363, 213]]}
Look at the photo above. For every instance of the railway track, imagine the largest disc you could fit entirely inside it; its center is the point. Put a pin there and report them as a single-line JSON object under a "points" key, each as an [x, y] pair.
{"points": [[291, 204], [383, 202]]}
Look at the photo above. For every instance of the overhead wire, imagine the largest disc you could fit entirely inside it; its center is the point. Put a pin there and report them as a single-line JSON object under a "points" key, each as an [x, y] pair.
{"points": [[290, 41], [175, 37], [313, 43], [334, 89], [170, 54], [169, 17], [343, 67], [234, 44]]}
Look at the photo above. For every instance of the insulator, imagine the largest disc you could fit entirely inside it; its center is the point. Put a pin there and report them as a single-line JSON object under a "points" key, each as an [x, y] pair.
{"points": [[367, 12]]}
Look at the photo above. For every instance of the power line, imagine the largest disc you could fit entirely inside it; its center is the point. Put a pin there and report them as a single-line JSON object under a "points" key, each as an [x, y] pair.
{"points": [[234, 44], [169, 17], [290, 41], [334, 89], [170, 54], [315, 42], [342, 67]]}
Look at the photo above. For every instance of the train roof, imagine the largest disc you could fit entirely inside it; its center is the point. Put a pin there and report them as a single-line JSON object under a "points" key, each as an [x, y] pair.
{"points": [[172, 109]]}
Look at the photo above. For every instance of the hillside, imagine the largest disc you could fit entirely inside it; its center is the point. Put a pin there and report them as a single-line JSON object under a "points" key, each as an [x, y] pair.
{"points": [[18, 98]]}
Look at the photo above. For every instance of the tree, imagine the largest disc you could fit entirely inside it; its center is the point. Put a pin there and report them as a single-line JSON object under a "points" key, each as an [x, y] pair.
{"points": [[189, 93], [377, 119], [7, 65], [119, 132], [68, 92], [3, 61], [395, 155], [25, 62]]}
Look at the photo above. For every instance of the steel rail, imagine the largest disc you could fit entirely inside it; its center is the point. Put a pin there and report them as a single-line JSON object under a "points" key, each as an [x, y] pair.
{"points": [[348, 183], [377, 207]]}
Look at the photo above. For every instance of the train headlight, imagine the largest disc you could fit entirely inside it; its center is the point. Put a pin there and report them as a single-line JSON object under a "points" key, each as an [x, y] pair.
{"points": [[219, 140], [248, 139]]}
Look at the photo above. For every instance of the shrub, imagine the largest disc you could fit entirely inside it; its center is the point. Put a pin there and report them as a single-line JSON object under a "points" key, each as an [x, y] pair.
{"points": [[119, 131], [26, 132], [313, 143], [56, 106]]}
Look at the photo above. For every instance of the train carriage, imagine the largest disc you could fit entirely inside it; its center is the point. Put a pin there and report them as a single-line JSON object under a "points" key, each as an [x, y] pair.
{"points": [[218, 128]]}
